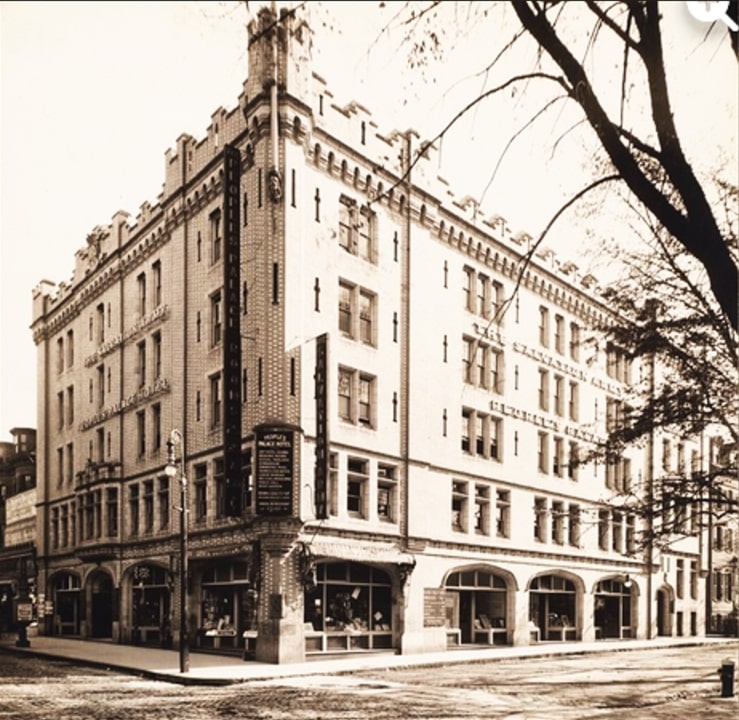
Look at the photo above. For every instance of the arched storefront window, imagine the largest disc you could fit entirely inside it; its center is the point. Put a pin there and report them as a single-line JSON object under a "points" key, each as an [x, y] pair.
{"points": [[151, 618], [66, 590], [553, 607], [477, 605], [613, 613], [350, 608]]}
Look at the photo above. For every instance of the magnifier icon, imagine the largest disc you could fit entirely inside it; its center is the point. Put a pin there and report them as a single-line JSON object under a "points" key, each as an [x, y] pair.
{"points": [[712, 11]]}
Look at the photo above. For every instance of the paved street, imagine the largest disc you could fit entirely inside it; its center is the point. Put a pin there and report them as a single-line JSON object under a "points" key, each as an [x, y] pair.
{"points": [[660, 683]]}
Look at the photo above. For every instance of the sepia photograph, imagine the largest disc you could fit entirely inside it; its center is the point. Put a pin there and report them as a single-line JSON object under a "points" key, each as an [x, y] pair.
{"points": [[369, 359]]}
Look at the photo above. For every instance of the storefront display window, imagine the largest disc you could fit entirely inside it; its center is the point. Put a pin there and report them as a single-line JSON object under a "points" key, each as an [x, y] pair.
{"points": [[351, 607], [227, 608], [151, 617]]}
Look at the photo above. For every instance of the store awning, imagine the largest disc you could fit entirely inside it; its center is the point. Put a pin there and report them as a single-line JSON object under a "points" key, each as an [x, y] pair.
{"points": [[358, 551]]}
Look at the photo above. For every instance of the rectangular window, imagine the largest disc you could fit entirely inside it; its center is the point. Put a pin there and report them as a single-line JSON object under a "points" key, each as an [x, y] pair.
{"points": [[156, 346], [573, 530], [101, 386], [356, 397], [216, 249], [219, 481], [141, 433], [70, 405], [503, 513], [55, 528], [60, 356], [573, 461], [496, 371], [559, 382], [559, 334], [680, 578], [163, 502], [345, 308], [466, 428], [100, 323], [482, 509], [200, 486], [156, 426], [540, 519], [141, 362], [366, 312], [356, 486], [469, 294], [111, 511], [100, 444], [156, 270], [386, 492], [543, 326], [575, 341], [356, 312], [70, 348], [216, 319], [133, 509], [216, 397], [345, 395], [617, 532], [141, 294], [148, 506], [60, 410], [543, 452], [693, 579], [70, 462], [356, 229], [495, 426], [365, 223], [345, 224], [558, 519], [483, 296], [543, 389], [364, 414], [558, 456], [460, 499], [603, 523], [574, 401], [630, 535], [497, 301]]}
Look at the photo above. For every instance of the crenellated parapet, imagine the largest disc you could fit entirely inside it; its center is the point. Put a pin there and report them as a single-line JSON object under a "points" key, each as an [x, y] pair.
{"points": [[396, 169]]}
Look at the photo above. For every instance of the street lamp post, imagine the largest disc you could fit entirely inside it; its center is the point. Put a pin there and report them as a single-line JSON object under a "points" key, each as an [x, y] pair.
{"points": [[175, 438]]}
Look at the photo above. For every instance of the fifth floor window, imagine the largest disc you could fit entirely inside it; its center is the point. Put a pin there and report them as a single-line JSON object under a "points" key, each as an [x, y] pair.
{"points": [[356, 229]]}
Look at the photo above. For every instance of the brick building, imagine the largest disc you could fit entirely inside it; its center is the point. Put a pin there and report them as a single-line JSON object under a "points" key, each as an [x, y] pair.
{"points": [[17, 522], [382, 428]]}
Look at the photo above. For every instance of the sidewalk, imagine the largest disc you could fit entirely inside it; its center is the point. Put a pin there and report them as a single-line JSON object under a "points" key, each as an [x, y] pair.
{"points": [[209, 669]]}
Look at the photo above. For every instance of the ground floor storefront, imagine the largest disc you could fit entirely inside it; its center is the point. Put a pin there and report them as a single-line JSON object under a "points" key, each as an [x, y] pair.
{"points": [[284, 601]]}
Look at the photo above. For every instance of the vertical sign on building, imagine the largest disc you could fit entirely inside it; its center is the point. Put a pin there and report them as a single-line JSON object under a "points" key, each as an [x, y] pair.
{"points": [[232, 331], [321, 380]]}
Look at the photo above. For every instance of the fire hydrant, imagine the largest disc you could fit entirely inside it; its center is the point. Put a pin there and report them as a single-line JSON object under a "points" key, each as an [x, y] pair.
{"points": [[726, 672]]}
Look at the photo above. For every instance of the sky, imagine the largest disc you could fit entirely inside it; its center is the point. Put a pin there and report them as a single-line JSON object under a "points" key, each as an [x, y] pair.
{"points": [[93, 93]]}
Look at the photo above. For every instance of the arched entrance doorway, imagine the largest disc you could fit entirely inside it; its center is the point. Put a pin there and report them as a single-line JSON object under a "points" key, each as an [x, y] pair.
{"points": [[664, 611], [350, 608], [553, 607], [613, 616], [477, 605], [66, 590], [100, 605]]}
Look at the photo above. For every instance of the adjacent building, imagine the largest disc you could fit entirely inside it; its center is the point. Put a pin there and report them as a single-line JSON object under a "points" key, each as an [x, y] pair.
{"points": [[17, 523], [383, 405]]}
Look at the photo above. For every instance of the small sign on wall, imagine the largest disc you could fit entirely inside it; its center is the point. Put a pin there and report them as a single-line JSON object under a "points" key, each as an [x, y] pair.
{"points": [[24, 612]]}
